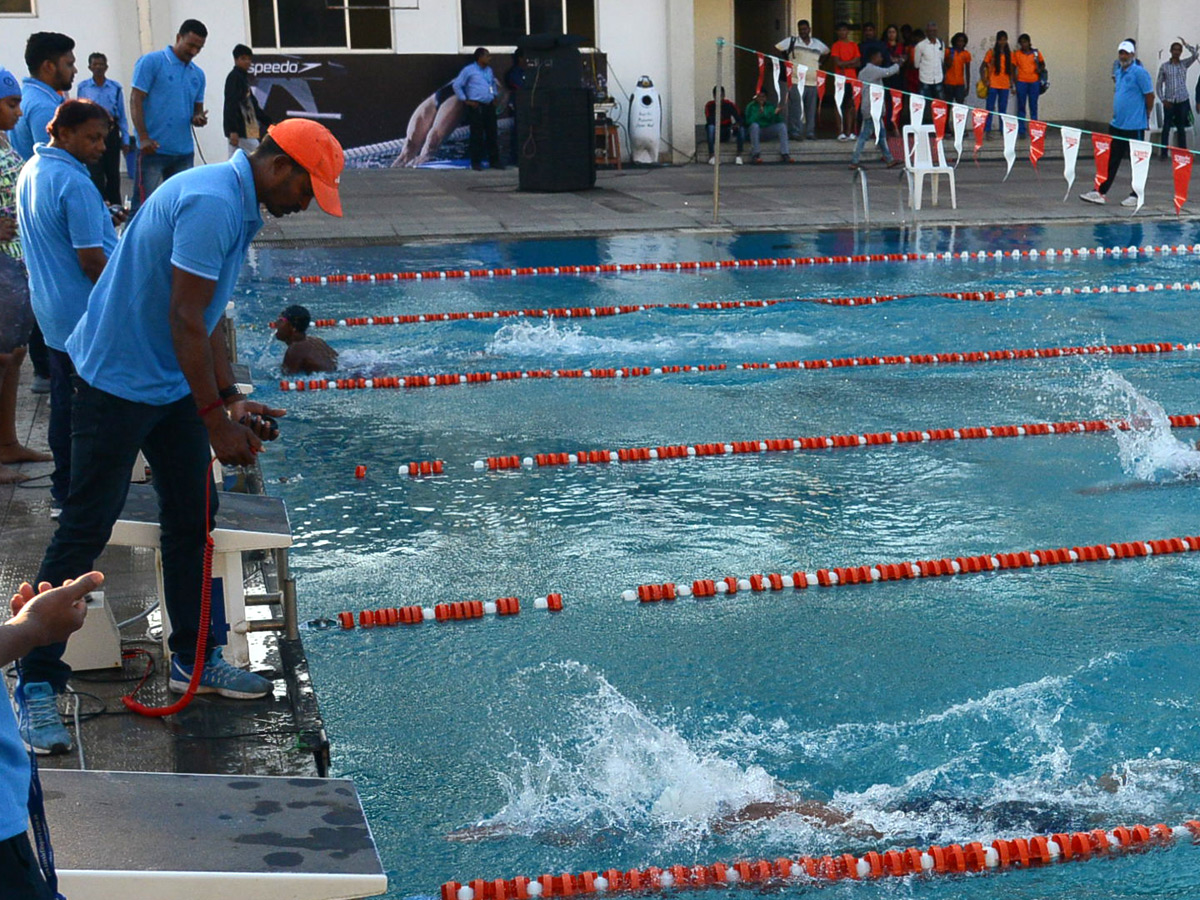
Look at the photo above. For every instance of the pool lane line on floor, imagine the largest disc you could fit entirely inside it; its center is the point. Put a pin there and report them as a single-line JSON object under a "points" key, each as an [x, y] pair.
{"points": [[600, 312], [900, 571], [1036, 851], [1098, 252], [454, 379], [820, 442]]}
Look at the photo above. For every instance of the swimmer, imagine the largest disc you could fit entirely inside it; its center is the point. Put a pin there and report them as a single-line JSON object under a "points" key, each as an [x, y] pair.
{"points": [[304, 354]]}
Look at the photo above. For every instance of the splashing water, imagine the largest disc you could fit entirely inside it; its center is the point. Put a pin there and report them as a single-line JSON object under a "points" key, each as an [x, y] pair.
{"points": [[1149, 449]]}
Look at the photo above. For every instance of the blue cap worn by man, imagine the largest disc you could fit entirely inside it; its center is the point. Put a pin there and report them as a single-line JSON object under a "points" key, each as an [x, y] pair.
{"points": [[153, 375]]}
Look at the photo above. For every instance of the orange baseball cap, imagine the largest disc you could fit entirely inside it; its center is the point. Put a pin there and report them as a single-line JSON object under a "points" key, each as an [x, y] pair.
{"points": [[318, 152]]}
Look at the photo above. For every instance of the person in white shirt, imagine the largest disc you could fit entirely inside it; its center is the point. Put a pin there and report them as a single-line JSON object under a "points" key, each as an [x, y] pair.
{"points": [[928, 58], [804, 50]]}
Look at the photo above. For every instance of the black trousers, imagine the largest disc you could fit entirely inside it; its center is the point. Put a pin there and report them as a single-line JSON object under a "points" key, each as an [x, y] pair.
{"points": [[1119, 152], [482, 119], [1175, 115], [106, 174], [20, 877]]}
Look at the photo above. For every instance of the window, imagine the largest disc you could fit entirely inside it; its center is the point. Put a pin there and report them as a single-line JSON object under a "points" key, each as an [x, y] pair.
{"points": [[325, 24], [16, 7], [503, 23]]}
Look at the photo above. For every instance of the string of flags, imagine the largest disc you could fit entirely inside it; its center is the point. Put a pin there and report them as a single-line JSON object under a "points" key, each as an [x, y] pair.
{"points": [[955, 116]]}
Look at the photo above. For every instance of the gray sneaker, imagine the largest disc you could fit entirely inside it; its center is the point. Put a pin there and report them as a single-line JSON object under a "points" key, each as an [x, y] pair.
{"points": [[40, 724], [1092, 197], [219, 677]]}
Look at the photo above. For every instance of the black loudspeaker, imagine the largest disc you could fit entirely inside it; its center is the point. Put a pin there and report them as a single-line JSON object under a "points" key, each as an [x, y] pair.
{"points": [[556, 139]]}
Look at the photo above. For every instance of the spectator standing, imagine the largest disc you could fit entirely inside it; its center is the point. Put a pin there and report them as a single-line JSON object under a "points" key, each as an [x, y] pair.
{"points": [[1028, 63], [731, 119], [50, 58], [153, 375], [763, 118], [846, 61], [928, 58], [998, 65], [1133, 98], [804, 50], [244, 121], [166, 101], [476, 87], [1172, 90], [68, 235], [895, 53], [102, 90], [958, 70], [873, 73], [870, 43], [912, 75], [16, 313]]}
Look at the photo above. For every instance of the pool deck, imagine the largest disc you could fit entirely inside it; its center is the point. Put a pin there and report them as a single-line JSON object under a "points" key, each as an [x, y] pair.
{"points": [[385, 206]]}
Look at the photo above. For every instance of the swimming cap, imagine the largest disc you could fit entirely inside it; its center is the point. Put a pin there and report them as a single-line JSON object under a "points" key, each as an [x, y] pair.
{"points": [[297, 316]]}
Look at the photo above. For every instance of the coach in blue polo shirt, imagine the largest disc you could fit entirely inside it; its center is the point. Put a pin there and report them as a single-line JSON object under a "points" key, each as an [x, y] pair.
{"points": [[50, 57], [167, 99], [68, 235], [153, 375], [1133, 99]]}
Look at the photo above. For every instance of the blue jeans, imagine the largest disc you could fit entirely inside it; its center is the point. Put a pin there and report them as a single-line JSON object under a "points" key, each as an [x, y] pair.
{"points": [[726, 130], [1027, 92], [757, 130], [106, 434], [153, 169], [62, 394], [997, 99], [867, 133]]}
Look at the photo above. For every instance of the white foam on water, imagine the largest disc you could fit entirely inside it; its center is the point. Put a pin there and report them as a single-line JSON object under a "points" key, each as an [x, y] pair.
{"points": [[1149, 450]]}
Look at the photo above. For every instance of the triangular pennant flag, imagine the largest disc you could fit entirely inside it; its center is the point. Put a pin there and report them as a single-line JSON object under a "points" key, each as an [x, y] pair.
{"points": [[787, 67], [958, 116], [1139, 161], [939, 118], [875, 92], [839, 95], [762, 71], [896, 102], [856, 89], [1070, 142], [820, 88], [916, 109], [1037, 142], [775, 79], [1101, 145], [979, 118], [1009, 125], [1181, 163], [801, 78]]}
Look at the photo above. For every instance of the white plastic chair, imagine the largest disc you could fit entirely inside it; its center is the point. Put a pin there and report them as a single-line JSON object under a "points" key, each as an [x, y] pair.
{"points": [[919, 162]]}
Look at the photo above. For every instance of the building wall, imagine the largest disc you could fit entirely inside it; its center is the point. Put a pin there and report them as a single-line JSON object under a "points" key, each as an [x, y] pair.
{"points": [[713, 19], [1055, 29]]}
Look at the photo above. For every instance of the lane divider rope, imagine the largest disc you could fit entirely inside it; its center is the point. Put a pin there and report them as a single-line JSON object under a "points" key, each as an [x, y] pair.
{"points": [[820, 442], [599, 312], [923, 568], [453, 379], [459, 611], [1022, 853], [768, 263]]}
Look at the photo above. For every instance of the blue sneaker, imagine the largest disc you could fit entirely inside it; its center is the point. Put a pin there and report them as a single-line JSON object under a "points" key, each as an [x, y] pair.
{"points": [[219, 677], [40, 724]]}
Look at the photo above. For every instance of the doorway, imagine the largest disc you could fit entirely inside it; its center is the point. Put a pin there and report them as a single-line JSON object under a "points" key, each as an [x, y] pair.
{"points": [[984, 18], [759, 25]]}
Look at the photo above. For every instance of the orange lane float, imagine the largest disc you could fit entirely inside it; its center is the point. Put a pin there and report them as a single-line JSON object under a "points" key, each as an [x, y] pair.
{"points": [[454, 379], [976, 856], [423, 468], [820, 442], [899, 571], [764, 263], [459, 611]]}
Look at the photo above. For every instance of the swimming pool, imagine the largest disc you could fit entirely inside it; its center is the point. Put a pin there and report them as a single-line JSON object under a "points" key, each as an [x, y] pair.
{"points": [[617, 735]]}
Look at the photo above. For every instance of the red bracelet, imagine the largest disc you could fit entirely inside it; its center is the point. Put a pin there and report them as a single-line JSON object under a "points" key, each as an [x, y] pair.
{"points": [[216, 404]]}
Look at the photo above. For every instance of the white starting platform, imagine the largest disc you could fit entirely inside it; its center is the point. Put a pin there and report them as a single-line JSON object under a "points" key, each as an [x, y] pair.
{"points": [[245, 522], [150, 836]]}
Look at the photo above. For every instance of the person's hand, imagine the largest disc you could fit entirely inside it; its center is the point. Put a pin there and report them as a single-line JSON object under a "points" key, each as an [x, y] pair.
{"points": [[119, 215], [252, 413], [51, 615], [8, 229], [200, 119], [149, 147], [233, 443]]}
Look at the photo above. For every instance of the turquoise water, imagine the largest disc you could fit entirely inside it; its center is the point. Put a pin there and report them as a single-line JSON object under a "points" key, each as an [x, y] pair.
{"points": [[619, 735]]}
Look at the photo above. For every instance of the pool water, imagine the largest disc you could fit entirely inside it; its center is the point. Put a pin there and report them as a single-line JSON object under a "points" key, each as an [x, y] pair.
{"points": [[618, 734]]}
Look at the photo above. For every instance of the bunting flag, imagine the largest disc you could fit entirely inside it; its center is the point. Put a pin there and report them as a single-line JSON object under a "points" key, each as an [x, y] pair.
{"points": [[979, 119], [1139, 158], [775, 79], [1101, 145], [801, 79], [820, 88], [916, 109], [839, 95], [762, 71], [958, 114], [856, 93], [896, 103], [1070, 141], [939, 118], [875, 93], [1037, 142], [1181, 163], [1008, 125], [787, 67]]}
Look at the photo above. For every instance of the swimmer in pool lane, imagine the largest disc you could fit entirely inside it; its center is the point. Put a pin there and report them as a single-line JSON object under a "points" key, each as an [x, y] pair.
{"points": [[304, 354]]}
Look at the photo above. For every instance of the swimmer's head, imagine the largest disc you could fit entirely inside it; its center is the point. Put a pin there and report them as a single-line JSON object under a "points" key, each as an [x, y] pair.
{"points": [[292, 323]]}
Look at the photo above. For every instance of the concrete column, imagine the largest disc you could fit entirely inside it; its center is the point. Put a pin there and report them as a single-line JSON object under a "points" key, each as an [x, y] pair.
{"points": [[681, 85]]}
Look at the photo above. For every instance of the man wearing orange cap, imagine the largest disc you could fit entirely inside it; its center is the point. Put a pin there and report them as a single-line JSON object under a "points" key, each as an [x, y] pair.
{"points": [[153, 375]]}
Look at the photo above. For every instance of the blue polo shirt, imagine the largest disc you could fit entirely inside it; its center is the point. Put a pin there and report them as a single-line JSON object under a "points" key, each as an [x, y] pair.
{"points": [[59, 211], [201, 221], [1129, 97], [111, 97], [475, 82], [172, 88], [39, 103], [14, 775]]}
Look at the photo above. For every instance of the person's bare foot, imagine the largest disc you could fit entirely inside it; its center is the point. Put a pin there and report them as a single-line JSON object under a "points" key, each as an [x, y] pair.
{"points": [[19, 453], [11, 476]]}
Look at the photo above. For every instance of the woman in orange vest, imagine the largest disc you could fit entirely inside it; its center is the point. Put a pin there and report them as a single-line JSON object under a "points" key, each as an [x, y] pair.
{"points": [[1027, 62], [997, 69], [958, 70]]}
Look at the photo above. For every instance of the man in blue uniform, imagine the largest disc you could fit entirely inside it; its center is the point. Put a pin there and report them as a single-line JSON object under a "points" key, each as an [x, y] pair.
{"points": [[476, 87], [1133, 98], [50, 57], [105, 92]]}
